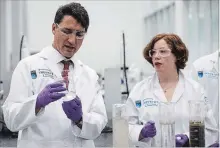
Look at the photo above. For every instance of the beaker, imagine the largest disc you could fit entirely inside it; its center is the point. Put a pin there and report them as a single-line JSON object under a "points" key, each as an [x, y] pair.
{"points": [[70, 83], [196, 123], [167, 124], [120, 126], [61, 80]]}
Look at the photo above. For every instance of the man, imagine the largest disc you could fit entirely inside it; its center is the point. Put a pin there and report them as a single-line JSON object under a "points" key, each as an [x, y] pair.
{"points": [[207, 72], [34, 106]]}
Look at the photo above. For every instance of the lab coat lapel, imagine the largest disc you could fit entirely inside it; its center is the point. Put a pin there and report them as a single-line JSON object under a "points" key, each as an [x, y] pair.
{"points": [[83, 89], [53, 67], [157, 90], [49, 62], [78, 78], [180, 88]]}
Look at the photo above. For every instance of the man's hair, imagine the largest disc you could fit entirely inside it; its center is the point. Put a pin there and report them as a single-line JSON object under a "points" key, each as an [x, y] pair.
{"points": [[178, 48], [76, 10]]}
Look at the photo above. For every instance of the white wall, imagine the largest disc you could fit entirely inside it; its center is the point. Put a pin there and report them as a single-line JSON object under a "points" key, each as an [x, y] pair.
{"points": [[40, 16], [102, 46], [12, 27], [153, 6], [195, 21], [104, 40]]}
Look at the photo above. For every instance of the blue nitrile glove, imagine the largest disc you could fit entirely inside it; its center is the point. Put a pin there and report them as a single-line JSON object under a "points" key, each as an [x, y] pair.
{"points": [[216, 144], [149, 130], [73, 109], [181, 140], [50, 93]]}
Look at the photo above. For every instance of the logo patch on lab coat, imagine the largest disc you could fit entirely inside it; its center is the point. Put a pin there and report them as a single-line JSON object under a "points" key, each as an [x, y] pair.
{"points": [[200, 74], [211, 75], [150, 102], [138, 103], [46, 73], [33, 74]]}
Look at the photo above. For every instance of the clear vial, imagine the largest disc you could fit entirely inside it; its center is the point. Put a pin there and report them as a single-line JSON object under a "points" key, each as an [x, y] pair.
{"points": [[71, 93]]}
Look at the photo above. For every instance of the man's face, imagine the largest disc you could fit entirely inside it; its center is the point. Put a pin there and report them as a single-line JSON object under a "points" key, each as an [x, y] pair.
{"points": [[65, 40]]}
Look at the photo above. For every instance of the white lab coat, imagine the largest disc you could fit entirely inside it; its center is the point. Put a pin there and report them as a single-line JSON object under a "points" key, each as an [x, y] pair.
{"points": [[209, 65], [51, 128], [150, 93]]}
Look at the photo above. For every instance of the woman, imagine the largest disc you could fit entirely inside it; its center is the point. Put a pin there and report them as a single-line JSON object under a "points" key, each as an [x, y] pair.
{"points": [[168, 55]]}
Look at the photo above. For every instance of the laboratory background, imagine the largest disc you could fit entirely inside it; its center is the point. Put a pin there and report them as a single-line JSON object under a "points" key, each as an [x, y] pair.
{"points": [[113, 46]]}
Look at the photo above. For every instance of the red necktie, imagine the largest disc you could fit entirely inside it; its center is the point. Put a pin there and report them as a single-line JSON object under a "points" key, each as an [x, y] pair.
{"points": [[65, 72]]}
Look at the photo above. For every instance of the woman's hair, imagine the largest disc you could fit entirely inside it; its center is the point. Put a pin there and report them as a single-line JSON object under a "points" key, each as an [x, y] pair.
{"points": [[178, 48]]}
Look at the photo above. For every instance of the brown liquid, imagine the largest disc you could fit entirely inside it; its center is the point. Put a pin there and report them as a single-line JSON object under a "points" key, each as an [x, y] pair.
{"points": [[197, 134]]}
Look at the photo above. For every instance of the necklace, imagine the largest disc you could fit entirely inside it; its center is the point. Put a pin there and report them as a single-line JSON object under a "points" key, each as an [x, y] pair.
{"points": [[165, 89], [171, 86]]}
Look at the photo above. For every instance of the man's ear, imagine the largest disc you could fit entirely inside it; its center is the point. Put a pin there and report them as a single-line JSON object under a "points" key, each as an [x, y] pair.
{"points": [[53, 28]]}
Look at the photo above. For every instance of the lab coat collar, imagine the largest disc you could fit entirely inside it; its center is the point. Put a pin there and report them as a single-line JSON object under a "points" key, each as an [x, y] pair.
{"points": [[158, 91], [52, 57]]}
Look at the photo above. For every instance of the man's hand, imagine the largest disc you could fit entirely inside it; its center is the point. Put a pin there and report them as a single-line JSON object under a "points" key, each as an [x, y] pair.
{"points": [[73, 109], [50, 93]]}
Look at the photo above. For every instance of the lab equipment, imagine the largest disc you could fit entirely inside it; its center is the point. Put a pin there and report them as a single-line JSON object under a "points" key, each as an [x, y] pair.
{"points": [[167, 124], [71, 91], [112, 92], [120, 126], [196, 123]]}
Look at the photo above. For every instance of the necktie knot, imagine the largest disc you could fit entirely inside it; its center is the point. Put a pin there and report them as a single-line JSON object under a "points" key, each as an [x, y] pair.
{"points": [[66, 64]]}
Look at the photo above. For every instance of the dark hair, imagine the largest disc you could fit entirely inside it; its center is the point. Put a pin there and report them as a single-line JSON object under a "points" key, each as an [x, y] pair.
{"points": [[176, 45], [76, 10]]}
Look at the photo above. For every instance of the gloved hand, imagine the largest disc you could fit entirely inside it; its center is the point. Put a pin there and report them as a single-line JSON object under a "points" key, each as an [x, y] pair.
{"points": [[182, 140], [149, 130], [216, 144], [73, 109], [50, 93]]}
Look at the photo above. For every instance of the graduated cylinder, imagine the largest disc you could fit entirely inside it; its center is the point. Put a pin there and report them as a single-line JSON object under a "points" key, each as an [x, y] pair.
{"points": [[120, 126], [167, 124], [196, 123]]}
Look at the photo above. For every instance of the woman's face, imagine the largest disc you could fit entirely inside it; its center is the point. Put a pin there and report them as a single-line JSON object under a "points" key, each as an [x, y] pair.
{"points": [[162, 57]]}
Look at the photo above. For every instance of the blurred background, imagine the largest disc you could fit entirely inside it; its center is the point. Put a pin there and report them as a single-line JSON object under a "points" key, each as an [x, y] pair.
{"points": [[117, 35]]}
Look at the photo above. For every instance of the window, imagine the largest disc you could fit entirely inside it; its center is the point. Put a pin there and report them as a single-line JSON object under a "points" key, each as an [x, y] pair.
{"points": [[202, 26], [161, 21]]}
